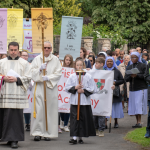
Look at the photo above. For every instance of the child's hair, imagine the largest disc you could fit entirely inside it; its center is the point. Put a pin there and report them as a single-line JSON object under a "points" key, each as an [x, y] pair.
{"points": [[79, 59], [100, 60], [91, 53], [84, 51], [71, 63], [109, 53]]}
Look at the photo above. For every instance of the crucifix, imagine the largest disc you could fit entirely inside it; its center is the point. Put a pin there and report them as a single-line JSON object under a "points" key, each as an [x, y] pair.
{"points": [[78, 108], [42, 20]]}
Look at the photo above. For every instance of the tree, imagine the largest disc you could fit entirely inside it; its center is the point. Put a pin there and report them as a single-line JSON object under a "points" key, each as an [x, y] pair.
{"points": [[60, 7], [132, 17]]}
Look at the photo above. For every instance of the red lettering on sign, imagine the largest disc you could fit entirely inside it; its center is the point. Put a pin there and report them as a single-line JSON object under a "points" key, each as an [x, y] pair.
{"points": [[60, 88], [60, 98], [95, 103], [65, 99], [68, 73], [92, 101], [28, 96], [31, 100]]}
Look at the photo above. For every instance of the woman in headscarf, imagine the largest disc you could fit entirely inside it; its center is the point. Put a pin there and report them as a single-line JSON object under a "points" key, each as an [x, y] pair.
{"points": [[117, 110], [138, 89]]}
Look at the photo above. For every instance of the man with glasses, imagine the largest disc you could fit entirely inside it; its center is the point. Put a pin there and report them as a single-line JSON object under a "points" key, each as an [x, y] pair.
{"points": [[15, 76], [53, 74]]}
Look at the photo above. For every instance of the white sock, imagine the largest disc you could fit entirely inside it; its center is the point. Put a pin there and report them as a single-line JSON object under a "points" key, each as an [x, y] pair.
{"points": [[74, 137]]}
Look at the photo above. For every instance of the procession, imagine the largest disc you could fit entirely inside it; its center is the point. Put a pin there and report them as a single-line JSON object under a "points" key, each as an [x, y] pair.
{"points": [[70, 95]]}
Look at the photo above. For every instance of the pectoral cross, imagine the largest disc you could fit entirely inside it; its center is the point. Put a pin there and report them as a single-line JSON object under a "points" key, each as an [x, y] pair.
{"points": [[42, 20]]}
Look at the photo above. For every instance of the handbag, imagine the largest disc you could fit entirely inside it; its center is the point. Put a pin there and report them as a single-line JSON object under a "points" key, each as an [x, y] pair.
{"points": [[116, 91]]}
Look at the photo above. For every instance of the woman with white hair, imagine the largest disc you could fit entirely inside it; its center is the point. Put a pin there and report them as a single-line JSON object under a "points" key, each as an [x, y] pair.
{"points": [[124, 88]]}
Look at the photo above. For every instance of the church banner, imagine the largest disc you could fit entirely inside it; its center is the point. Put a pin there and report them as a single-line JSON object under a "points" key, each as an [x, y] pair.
{"points": [[63, 97], [3, 31], [27, 39], [101, 101], [15, 26], [36, 27], [71, 34]]}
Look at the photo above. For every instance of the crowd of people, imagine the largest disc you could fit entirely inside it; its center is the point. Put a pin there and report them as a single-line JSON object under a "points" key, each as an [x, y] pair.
{"points": [[127, 88]]}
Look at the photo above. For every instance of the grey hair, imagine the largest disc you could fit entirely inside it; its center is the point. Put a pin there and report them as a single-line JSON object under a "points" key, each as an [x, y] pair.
{"points": [[48, 43], [126, 56]]}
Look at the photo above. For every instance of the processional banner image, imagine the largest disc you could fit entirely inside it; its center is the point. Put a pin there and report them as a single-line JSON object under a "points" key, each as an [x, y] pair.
{"points": [[71, 34], [36, 27], [15, 26], [3, 31], [101, 102], [64, 97]]}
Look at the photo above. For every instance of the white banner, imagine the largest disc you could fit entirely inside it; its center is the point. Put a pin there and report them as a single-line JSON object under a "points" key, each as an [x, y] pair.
{"points": [[30, 98], [101, 102], [63, 97]]}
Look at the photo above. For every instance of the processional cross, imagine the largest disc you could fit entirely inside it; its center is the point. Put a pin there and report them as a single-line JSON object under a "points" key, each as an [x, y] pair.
{"points": [[42, 20]]}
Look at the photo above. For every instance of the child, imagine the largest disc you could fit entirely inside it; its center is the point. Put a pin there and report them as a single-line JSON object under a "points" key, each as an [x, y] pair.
{"points": [[145, 57], [100, 120], [84, 127], [68, 62]]}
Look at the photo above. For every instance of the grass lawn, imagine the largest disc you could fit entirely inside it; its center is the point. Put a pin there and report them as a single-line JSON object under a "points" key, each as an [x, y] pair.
{"points": [[137, 136]]}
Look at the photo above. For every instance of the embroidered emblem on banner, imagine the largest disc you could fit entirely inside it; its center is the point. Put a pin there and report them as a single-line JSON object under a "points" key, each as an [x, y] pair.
{"points": [[71, 30], [100, 83], [38, 21], [12, 20], [1, 21]]}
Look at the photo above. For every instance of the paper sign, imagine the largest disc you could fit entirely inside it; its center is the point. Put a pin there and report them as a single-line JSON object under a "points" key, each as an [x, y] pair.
{"points": [[36, 28], [70, 39], [15, 26], [63, 97], [3, 31]]}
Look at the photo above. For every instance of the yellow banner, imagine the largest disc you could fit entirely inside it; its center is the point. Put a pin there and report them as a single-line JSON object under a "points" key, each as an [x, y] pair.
{"points": [[36, 27], [15, 26]]}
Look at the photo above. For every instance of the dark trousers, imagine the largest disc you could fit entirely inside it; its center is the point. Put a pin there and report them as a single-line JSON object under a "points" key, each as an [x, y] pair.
{"points": [[27, 117], [99, 122], [148, 119], [65, 118]]}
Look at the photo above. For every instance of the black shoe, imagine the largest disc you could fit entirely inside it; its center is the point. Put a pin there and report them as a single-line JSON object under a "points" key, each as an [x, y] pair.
{"points": [[14, 145], [37, 138], [116, 126], [27, 127], [105, 126], [137, 126], [80, 141], [73, 141], [9, 143], [47, 139]]}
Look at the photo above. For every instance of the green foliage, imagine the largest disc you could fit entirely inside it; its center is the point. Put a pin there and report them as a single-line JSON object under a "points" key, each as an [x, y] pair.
{"points": [[137, 136], [60, 7], [131, 16]]}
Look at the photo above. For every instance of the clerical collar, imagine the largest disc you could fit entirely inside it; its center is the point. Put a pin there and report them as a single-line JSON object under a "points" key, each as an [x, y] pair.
{"points": [[9, 58]]}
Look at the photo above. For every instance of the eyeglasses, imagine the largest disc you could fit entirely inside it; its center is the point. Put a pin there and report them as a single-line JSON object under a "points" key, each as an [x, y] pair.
{"points": [[133, 57], [47, 47], [24, 55]]}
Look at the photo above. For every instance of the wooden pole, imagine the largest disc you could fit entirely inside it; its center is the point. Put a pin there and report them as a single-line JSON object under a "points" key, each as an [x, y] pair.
{"points": [[45, 101], [78, 110]]}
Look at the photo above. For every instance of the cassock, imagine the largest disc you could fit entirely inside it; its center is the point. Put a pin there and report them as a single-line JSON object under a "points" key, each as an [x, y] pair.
{"points": [[53, 72], [84, 127], [13, 99]]}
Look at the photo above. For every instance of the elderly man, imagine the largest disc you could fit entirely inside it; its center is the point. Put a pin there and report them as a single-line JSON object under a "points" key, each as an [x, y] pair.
{"points": [[53, 74], [15, 77]]}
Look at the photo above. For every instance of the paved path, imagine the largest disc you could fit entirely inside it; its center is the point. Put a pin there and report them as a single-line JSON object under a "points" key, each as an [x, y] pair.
{"points": [[111, 141]]}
